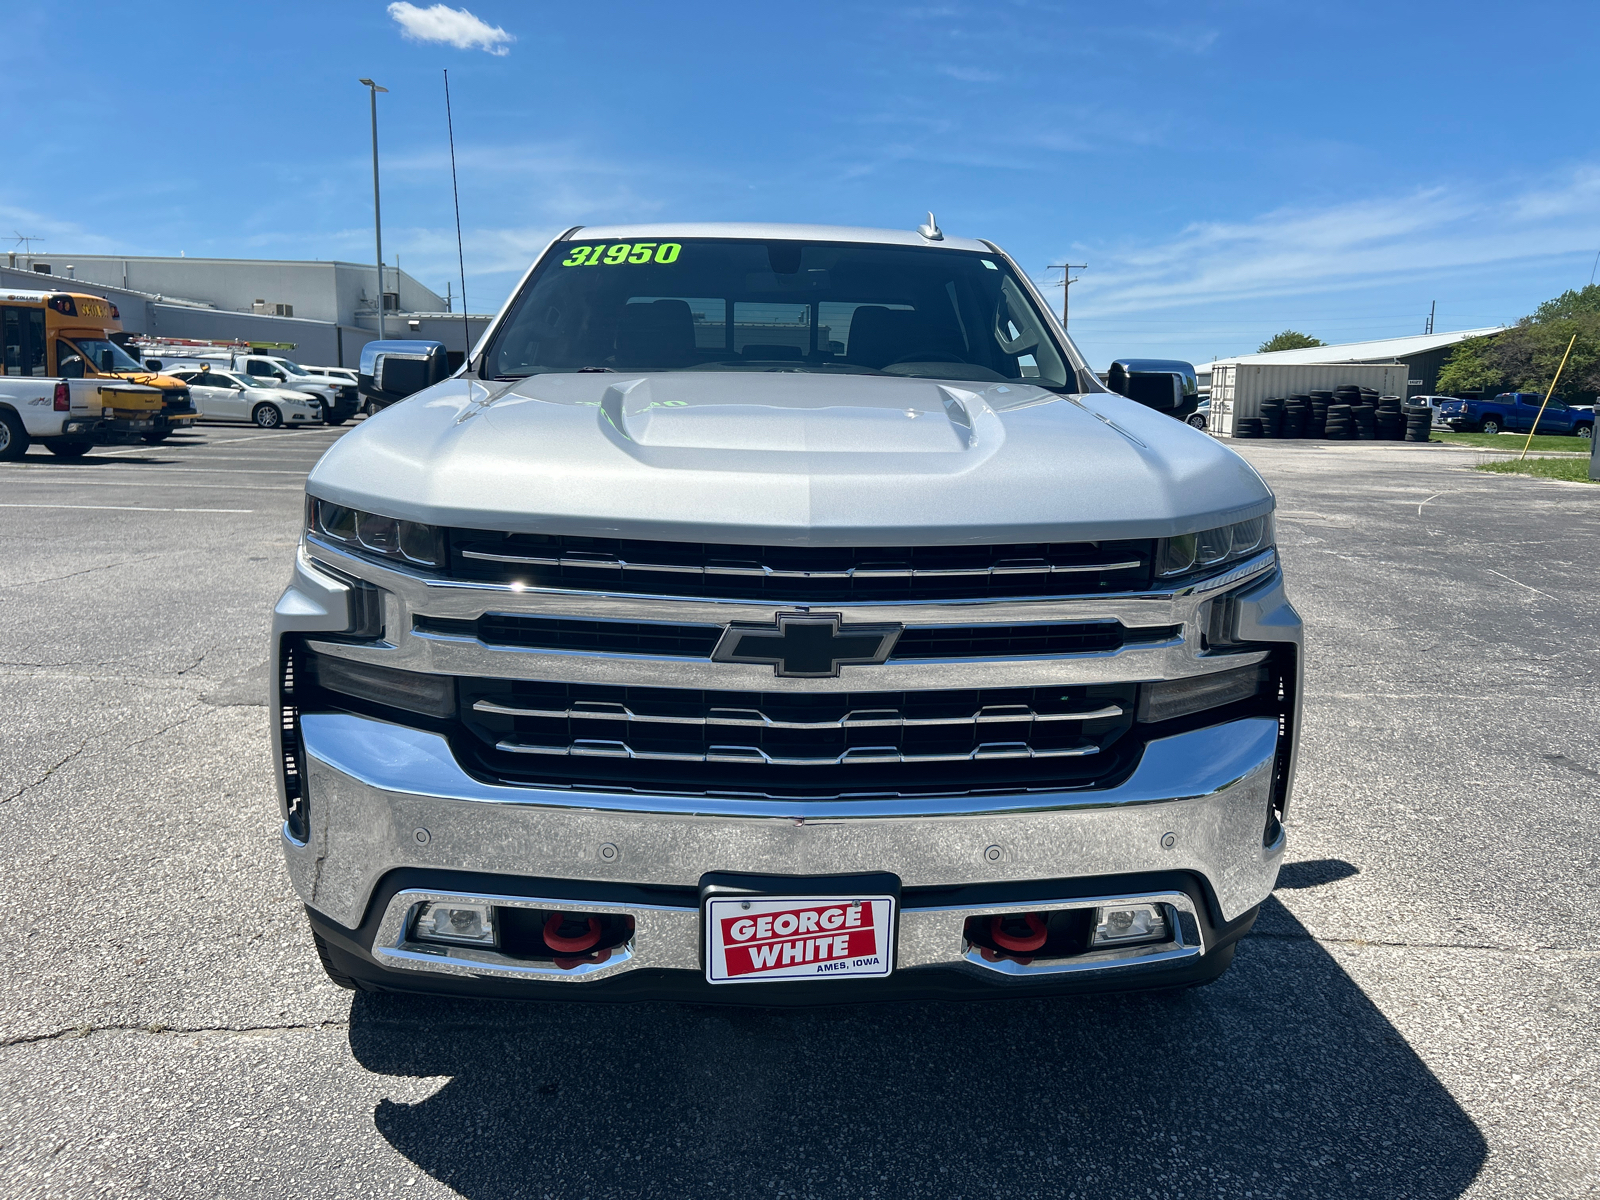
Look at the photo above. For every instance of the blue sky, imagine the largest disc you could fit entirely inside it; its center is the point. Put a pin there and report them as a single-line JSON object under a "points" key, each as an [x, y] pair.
{"points": [[1226, 170]]}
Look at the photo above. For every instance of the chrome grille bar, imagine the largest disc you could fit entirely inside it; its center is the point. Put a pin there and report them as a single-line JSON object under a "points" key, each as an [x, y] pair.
{"points": [[754, 755], [761, 571], [855, 719]]}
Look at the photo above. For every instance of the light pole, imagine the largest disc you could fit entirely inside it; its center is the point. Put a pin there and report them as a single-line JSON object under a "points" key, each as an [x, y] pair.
{"points": [[377, 212], [1066, 284]]}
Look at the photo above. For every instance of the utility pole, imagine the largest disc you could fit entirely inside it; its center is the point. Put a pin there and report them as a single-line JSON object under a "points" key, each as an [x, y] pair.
{"points": [[1066, 283], [377, 212], [1431, 307]]}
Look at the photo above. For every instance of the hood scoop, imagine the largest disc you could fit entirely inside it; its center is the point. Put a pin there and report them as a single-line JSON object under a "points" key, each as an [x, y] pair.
{"points": [[793, 414]]}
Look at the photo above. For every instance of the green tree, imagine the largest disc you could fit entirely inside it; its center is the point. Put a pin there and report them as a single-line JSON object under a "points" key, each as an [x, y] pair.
{"points": [[1524, 358], [1289, 339]]}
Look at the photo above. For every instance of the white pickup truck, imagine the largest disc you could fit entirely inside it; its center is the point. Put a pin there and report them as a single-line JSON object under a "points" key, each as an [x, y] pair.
{"points": [[69, 417]]}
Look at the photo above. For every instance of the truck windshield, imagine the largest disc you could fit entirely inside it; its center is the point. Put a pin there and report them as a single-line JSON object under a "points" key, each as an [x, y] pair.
{"points": [[93, 348], [736, 305]]}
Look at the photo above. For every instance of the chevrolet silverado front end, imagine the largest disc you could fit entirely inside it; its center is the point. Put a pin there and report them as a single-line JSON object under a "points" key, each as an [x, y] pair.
{"points": [[789, 608]]}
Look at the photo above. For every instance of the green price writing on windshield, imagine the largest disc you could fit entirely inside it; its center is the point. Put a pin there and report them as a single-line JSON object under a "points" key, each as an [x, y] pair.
{"points": [[622, 252]]}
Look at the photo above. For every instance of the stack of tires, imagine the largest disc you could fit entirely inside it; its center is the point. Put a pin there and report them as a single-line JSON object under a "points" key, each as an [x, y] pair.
{"points": [[1296, 416], [1419, 422], [1346, 412], [1272, 418], [1391, 422], [1319, 414]]}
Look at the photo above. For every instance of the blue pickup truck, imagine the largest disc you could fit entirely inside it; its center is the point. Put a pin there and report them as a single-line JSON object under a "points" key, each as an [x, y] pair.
{"points": [[1515, 412]]}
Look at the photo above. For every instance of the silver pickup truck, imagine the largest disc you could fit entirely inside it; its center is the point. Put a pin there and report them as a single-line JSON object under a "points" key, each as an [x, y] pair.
{"points": [[781, 614]]}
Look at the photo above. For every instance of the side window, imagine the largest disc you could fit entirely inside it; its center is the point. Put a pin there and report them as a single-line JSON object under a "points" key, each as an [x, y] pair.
{"points": [[11, 340], [69, 363], [21, 341], [260, 368], [33, 357]]}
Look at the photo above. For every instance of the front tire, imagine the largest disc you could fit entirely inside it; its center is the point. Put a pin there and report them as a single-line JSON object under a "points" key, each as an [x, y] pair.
{"points": [[267, 416], [156, 438], [1197, 421], [67, 449], [1585, 431], [13, 437]]}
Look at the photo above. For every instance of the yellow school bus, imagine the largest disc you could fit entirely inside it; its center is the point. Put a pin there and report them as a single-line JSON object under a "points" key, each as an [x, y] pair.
{"points": [[68, 335]]}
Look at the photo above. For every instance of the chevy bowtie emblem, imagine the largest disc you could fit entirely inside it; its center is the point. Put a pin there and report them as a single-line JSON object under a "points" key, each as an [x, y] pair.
{"points": [[806, 645]]}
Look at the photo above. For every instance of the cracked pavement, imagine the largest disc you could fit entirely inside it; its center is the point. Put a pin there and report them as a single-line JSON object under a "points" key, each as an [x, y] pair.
{"points": [[1414, 1015]]}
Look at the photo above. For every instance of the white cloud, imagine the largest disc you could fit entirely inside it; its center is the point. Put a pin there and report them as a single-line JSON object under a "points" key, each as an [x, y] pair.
{"points": [[451, 26], [1300, 252]]}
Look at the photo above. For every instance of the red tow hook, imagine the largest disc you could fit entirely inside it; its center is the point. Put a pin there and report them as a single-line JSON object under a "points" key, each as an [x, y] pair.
{"points": [[568, 942], [1023, 943]]}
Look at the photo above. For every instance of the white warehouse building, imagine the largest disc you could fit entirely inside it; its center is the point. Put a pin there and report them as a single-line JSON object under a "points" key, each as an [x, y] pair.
{"points": [[326, 309]]}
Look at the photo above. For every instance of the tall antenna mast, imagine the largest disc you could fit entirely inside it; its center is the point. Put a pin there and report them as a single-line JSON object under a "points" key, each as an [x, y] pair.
{"points": [[461, 260]]}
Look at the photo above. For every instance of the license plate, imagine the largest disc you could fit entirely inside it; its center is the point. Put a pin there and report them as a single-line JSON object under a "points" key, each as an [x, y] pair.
{"points": [[759, 939]]}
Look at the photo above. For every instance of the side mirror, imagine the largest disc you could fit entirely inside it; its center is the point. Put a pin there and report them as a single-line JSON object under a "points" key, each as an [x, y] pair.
{"points": [[392, 371], [108, 362], [1164, 384]]}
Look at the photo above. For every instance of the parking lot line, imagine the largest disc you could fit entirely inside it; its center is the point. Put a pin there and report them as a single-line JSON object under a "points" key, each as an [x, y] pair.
{"points": [[131, 508], [164, 485]]}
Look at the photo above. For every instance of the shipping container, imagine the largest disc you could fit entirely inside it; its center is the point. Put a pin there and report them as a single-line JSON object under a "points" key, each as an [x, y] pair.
{"points": [[1237, 389]]}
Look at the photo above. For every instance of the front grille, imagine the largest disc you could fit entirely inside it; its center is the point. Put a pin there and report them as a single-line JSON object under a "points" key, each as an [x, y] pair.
{"points": [[795, 745], [698, 641], [597, 637], [801, 574], [1010, 641]]}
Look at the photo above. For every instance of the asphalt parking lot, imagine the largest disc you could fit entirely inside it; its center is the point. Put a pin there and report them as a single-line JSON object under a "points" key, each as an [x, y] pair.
{"points": [[1414, 1015]]}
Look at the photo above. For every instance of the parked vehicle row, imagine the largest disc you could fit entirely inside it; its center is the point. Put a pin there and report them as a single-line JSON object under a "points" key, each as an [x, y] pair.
{"points": [[334, 391], [106, 397]]}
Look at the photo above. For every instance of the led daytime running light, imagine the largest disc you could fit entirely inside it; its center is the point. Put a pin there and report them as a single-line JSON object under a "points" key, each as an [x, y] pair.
{"points": [[1213, 548], [376, 536]]}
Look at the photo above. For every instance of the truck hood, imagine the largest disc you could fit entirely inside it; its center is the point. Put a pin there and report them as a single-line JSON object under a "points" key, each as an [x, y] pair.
{"points": [[787, 458]]}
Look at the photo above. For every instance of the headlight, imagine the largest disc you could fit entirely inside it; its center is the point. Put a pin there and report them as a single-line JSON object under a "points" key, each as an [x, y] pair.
{"points": [[381, 537], [1213, 548]]}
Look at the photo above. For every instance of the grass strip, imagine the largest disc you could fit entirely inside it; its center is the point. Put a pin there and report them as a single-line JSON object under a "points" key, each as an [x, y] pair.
{"points": [[1573, 470], [1512, 441]]}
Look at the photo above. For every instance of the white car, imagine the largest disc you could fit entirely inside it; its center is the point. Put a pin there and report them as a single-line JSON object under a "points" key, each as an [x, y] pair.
{"points": [[235, 396]]}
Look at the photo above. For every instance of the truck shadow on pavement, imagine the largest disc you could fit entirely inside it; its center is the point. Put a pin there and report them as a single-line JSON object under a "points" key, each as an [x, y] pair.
{"points": [[1282, 1079]]}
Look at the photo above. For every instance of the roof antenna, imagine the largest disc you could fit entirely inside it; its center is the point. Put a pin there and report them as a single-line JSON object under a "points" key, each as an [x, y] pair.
{"points": [[461, 260], [931, 230]]}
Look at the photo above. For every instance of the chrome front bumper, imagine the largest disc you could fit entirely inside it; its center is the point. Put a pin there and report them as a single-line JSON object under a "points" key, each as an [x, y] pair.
{"points": [[383, 797]]}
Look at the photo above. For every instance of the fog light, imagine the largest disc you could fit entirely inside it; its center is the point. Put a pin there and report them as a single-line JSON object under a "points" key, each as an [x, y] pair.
{"points": [[456, 923], [1129, 923]]}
